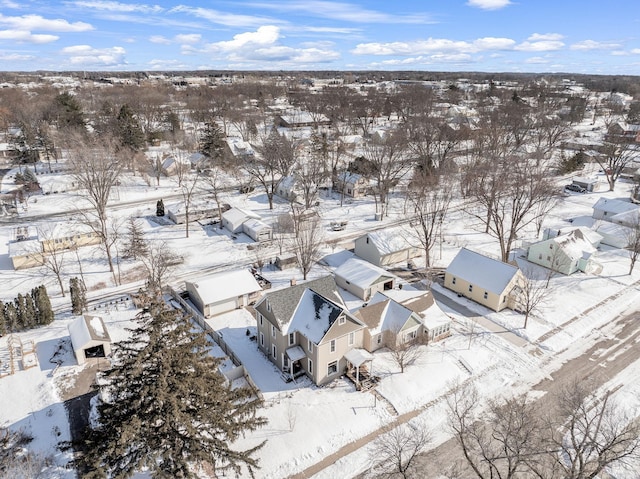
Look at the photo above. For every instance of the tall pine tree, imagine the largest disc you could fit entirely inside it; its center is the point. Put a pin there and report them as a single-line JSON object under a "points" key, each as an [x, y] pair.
{"points": [[78, 296], [160, 207], [167, 407], [44, 311]]}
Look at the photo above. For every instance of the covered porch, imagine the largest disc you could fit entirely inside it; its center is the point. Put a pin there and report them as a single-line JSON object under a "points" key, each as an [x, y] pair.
{"points": [[359, 369], [292, 364]]}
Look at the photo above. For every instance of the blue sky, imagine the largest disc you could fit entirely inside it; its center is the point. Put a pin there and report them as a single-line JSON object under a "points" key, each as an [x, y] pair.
{"points": [[581, 36]]}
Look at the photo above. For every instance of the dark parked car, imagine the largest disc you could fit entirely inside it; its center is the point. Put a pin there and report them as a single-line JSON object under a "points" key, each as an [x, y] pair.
{"points": [[576, 188]]}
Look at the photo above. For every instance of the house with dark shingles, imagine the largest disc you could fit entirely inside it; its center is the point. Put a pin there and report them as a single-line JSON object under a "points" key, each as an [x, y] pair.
{"points": [[306, 329]]}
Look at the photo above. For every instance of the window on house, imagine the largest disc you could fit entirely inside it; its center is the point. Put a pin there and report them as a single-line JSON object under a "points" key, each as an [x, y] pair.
{"points": [[310, 366], [310, 346], [504, 300], [342, 320], [274, 351], [485, 295], [332, 346], [352, 337], [285, 362], [260, 318], [470, 288], [268, 305], [548, 258], [292, 338], [540, 256], [273, 331], [453, 280], [367, 240], [332, 368], [261, 339], [551, 246], [379, 340]]}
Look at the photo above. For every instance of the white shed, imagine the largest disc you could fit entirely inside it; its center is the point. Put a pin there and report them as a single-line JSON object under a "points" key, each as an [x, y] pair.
{"points": [[387, 247], [89, 338], [223, 292], [257, 230], [234, 218]]}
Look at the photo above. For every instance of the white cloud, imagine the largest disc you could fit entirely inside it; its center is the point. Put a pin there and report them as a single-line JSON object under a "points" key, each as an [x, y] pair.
{"points": [[9, 4], [117, 6], [492, 43], [36, 22], [223, 18], [432, 46], [265, 35], [537, 37], [167, 65], [188, 38], [536, 60], [489, 4], [15, 57], [636, 51], [587, 45], [159, 39], [541, 46], [262, 46], [89, 56], [345, 12], [24, 36]]}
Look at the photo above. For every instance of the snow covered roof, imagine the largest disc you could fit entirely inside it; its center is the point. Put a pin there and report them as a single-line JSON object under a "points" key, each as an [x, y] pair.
{"points": [[296, 353], [229, 284], [281, 305], [578, 243], [358, 356], [22, 248], [611, 205], [313, 316], [361, 273], [238, 215], [416, 300], [86, 329], [390, 240], [255, 225], [490, 274], [348, 177], [384, 314], [630, 218]]}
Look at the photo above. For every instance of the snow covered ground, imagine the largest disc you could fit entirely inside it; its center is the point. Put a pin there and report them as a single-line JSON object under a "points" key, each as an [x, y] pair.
{"points": [[307, 423]]}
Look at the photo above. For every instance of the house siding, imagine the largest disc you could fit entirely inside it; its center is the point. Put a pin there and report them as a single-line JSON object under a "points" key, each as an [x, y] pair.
{"points": [[492, 301]]}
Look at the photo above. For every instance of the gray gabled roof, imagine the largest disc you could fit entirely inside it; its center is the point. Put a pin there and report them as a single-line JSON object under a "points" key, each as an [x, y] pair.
{"points": [[283, 302]]}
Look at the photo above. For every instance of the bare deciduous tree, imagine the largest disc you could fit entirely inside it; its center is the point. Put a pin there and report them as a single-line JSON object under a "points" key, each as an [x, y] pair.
{"points": [[429, 198], [158, 262], [594, 433], [616, 156], [96, 168], [49, 255], [307, 243], [387, 159], [497, 441], [394, 452], [405, 350], [633, 242], [532, 295]]}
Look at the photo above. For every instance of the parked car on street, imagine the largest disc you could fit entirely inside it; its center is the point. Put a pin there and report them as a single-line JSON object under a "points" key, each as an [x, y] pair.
{"points": [[575, 188]]}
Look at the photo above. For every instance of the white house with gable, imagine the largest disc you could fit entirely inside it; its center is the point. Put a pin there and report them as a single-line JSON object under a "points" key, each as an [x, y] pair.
{"points": [[223, 292], [386, 247], [485, 280], [234, 218], [363, 279]]}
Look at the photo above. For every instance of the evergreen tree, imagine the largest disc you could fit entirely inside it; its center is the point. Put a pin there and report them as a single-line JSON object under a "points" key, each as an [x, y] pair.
{"points": [[11, 317], [30, 176], [44, 311], [3, 321], [78, 296], [30, 320], [20, 311], [167, 407], [160, 208], [212, 142], [135, 245], [129, 130], [68, 112]]}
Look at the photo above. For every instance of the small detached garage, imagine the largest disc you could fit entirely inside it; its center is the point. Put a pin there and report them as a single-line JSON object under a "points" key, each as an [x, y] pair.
{"points": [[223, 292], [89, 338]]}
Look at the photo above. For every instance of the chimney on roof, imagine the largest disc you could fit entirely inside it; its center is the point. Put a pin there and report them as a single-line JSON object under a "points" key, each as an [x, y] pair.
{"points": [[292, 282]]}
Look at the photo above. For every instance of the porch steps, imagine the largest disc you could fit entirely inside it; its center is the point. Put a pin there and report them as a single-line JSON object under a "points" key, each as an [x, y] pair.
{"points": [[385, 402]]}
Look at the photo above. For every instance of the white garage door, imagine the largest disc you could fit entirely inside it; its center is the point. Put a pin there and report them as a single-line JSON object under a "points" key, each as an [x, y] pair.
{"points": [[222, 307]]}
